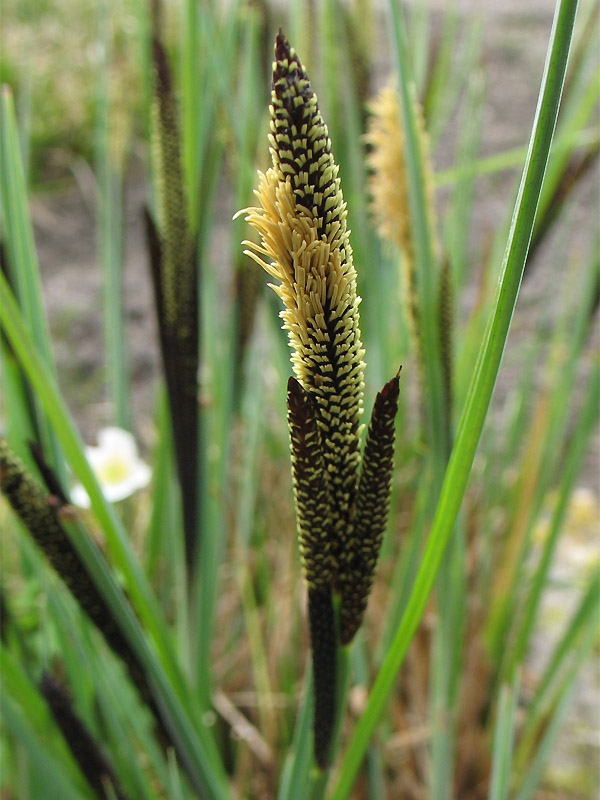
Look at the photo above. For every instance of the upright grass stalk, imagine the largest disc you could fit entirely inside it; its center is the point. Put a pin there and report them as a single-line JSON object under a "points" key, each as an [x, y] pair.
{"points": [[110, 146], [559, 673], [249, 150], [562, 702], [21, 259], [420, 35], [218, 57], [516, 636], [480, 391], [503, 740], [467, 147], [431, 289], [547, 443]]}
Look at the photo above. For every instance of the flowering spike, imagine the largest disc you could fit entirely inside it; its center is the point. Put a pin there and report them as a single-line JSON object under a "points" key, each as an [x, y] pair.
{"points": [[173, 262], [305, 247], [92, 762], [372, 501], [446, 331], [388, 186]]}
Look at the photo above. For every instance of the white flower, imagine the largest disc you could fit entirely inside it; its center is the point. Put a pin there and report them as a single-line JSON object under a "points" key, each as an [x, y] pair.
{"points": [[118, 468]]}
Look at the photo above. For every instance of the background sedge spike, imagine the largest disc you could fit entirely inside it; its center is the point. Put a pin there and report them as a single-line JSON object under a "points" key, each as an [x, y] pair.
{"points": [[372, 502], [389, 190], [446, 334], [172, 249], [39, 513], [92, 762]]}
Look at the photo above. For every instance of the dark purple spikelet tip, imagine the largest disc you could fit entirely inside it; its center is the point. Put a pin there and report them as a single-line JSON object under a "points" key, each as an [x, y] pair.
{"points": [[289, 77], [295, 394], [299, 402], [390, 392], [282, 47], [161, 66]]}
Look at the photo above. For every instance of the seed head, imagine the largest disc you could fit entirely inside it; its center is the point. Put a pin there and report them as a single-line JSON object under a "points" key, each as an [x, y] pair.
{"points": [[305, 246]]}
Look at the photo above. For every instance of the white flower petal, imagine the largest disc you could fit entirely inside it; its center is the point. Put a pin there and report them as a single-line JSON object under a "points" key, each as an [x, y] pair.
{"points": [[79, 496], [117, 440], [95, 456]]}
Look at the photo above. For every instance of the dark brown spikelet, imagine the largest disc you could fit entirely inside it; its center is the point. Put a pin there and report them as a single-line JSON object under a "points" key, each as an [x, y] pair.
{"points": [[372, 503], [446, 333], [247, 288], [310, 489], [578, 166], [51, 481], [39, 513], [98, 772], [323, 638], [173, 264]]}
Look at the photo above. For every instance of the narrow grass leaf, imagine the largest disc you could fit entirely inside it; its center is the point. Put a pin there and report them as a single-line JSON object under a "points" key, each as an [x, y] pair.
{"points": [[529, 782], [23, 265], [577, 450], [502, 745], [564, 660], [425, 256], [110, 145], [299, 760]]}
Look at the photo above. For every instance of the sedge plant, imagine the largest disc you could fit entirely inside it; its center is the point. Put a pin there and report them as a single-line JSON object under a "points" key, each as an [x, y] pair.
{"points": [[341, 502], [156, 647]]}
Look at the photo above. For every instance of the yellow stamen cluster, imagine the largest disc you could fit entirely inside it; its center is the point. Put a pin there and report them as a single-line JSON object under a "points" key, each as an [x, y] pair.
{"points": [[388, 186]]}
